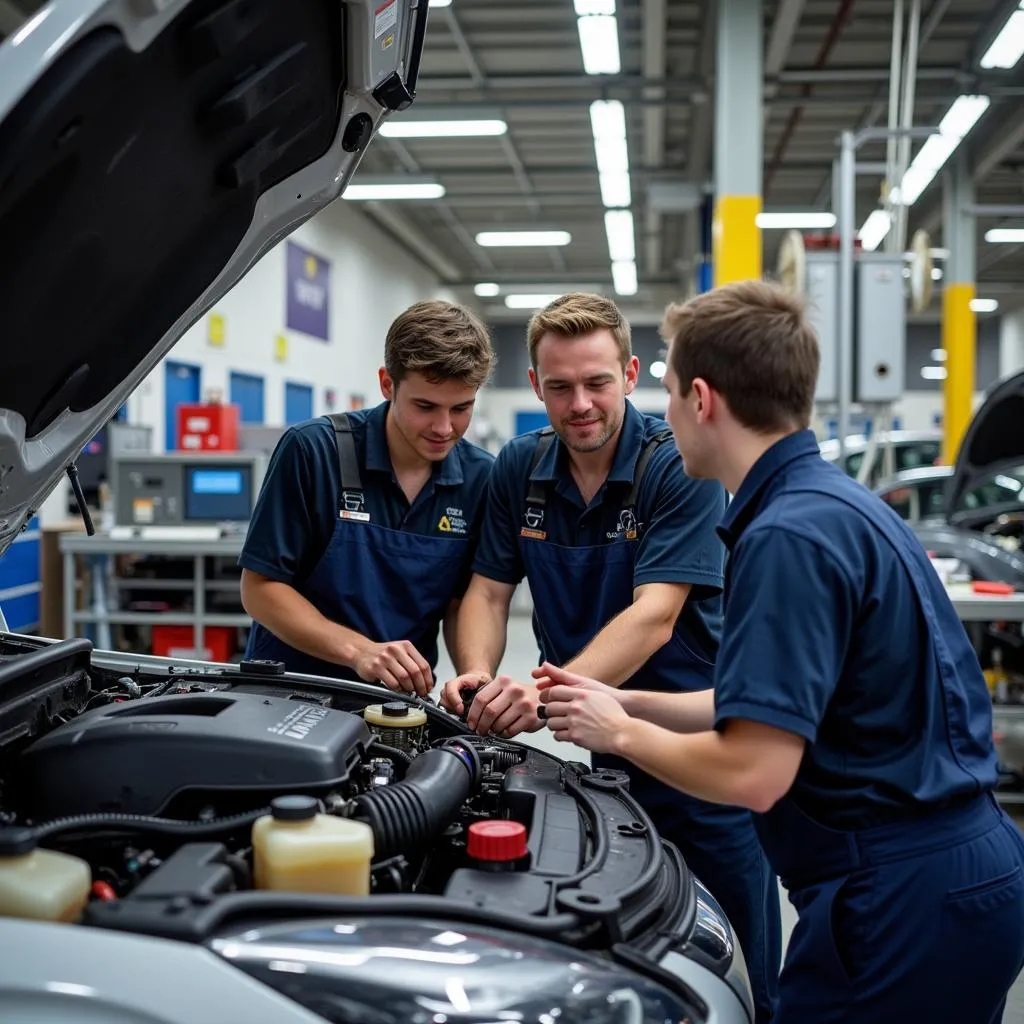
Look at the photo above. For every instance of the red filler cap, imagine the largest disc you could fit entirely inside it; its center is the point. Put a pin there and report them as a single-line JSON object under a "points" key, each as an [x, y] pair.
{"points": [[497, 840]]}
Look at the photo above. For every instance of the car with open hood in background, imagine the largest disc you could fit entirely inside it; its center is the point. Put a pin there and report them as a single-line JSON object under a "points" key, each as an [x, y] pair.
{"points": [[151, 151]]}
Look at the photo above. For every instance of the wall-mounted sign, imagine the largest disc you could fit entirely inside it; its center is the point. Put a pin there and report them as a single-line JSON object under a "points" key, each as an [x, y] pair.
{"points": [[308, 301], [280, 348], [216, 330]]}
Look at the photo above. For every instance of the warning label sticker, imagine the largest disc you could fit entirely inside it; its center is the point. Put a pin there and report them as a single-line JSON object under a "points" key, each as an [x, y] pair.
{"points": [[384, 18]]}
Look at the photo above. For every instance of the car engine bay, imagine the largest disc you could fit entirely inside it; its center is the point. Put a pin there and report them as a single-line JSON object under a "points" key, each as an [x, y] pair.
{"points": [[156, 775]]}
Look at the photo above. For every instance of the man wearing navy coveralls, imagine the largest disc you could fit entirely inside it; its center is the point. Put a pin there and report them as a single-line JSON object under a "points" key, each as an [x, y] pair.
{"points": [[362, 538], [849, 709], [625, 570]]}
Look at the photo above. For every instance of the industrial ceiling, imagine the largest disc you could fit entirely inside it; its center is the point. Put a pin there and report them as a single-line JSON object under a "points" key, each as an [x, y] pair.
{"points": [[826, 69]]}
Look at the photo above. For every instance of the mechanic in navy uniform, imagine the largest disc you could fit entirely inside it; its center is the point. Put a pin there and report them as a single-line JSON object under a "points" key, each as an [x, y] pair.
{"points": [[624, 567], [849, 709], [362, 539]]}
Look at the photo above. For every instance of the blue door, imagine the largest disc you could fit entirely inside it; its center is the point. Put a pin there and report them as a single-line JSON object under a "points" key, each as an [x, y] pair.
{"points": [[247, 393], [527, 421], [181, 387], [298, 403]]}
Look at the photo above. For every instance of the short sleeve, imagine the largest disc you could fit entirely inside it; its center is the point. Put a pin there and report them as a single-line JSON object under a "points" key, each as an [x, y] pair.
{"points": [[788, 621], [291, 523], [497, 554], [679, 516]]}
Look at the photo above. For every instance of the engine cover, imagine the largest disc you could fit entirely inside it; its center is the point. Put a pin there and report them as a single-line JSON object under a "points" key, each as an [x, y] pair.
{"points": [[136, 756]]}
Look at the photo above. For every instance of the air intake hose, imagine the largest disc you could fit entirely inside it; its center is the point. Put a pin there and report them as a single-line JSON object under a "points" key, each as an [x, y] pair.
{"points": [[406, 815]]}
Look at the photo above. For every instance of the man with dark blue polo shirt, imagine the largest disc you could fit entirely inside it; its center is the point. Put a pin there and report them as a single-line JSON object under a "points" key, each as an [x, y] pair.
{"points": [[849, 709], [625, 571], [362, 539]]}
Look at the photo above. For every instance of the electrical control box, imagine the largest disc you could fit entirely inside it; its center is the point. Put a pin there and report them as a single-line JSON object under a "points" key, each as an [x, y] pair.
{"points": [[187, 489], [880, 327], [821, 290]]}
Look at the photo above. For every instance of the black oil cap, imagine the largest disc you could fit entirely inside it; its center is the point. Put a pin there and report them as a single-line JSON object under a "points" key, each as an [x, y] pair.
{"points": [[15, 841], [395, 709], [294, 808]]}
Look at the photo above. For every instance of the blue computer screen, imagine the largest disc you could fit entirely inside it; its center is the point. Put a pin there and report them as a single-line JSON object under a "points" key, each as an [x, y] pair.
{"points": [[222, 492]]}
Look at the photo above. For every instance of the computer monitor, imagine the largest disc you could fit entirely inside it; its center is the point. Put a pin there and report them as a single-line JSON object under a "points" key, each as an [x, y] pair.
{"points": [[217, 493]]}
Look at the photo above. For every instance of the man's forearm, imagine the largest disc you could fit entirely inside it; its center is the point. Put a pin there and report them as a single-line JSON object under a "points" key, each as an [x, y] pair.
{"points": [[705, 765], [479, 635], [678, 712], [622, 647], [291, 618]]}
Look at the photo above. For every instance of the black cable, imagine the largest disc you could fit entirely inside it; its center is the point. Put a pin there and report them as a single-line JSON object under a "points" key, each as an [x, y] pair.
{"points": [[76, 486]]}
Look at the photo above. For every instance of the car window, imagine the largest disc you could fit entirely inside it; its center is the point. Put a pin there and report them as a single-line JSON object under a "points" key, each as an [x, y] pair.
{"points": [[853, 463], [932, 495], [915, 454], [899, 500]]}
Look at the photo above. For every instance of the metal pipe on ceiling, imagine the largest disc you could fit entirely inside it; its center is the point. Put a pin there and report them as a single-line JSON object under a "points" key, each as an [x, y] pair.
{"points": [[835, 30]]}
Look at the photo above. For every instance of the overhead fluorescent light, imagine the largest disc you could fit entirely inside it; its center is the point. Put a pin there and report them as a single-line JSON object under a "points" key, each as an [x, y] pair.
{"points": [[658, 368], [454, 129], [528, 301], [394, 190], [1011, 236], [933, 372], [984, 305], [624, 277], [874, 229], [618, 226], [1008, 47], [608, 124], [936, 273], [938, 355], [585, 7], [607, 120], [486, 290], [599, 43], [615, 189], [440, 3], [522, 238], [796, 221]]}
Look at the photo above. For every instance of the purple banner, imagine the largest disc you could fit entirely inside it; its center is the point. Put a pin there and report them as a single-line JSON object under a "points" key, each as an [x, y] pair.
{"points": [[308, 292]]}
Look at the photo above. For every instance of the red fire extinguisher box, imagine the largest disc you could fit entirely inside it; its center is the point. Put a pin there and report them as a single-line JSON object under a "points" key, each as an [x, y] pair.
{"points": [[208, 428]]}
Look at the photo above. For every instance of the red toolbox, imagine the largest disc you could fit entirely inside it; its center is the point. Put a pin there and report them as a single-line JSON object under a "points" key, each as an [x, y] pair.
{"points": [[208, 427], [180, 642]]}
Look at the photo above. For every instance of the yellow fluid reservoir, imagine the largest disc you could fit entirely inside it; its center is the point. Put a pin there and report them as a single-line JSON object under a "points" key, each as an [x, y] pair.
{"points": [[297, 849], [397, 724], [42, 885]]}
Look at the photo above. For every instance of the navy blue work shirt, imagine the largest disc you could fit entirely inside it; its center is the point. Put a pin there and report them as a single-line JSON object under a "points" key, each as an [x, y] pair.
{"points": [[297, 508], [679, 516], [825, 636]]}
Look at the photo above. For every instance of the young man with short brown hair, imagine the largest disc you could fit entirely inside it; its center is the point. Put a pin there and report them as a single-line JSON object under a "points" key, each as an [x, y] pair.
{"points": [[362, 538], [625, 570], [848, 709]]}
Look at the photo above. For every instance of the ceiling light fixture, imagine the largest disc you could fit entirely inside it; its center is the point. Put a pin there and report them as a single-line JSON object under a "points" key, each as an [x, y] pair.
{"points": [[984, 305], [486, 290], [875, 228], [658, 368], [1005, 236], [1008, 47], [624, 277], [492, 239], [373, 191], [455, 129], [618, 226], [528, 301], [796, 221], [933, 372], [599, 36]]}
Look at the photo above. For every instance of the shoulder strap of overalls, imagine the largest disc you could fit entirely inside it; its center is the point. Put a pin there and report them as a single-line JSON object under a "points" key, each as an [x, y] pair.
{"points": [[641, 464], [348, 461], [536, 494]]}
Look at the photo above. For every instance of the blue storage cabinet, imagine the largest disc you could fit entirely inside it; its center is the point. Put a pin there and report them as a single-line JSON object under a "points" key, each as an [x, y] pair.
{"points": [[20, 584]]}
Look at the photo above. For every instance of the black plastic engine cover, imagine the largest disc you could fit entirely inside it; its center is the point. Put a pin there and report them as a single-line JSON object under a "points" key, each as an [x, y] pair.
{"points": [[136, 756]]}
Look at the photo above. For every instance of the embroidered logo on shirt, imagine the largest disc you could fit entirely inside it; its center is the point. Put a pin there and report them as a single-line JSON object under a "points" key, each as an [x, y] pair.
{"points": [[453, 521], [627, 526], [353, 507], [533, 517]]}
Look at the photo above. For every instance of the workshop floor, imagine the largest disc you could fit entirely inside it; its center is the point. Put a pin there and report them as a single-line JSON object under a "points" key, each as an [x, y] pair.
{"points": [[520, 659]]}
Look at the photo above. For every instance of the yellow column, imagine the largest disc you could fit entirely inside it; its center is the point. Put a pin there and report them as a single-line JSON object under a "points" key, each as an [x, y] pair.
{"points": [[736, 239], [959, 333], [739, 141]]}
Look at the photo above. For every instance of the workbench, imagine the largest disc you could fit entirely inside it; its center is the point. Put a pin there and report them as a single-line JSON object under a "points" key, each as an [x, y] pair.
{"points": [[105, 609], [987, 607]]}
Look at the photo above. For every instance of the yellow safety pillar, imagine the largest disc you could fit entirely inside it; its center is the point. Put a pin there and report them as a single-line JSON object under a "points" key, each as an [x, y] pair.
{"points": [[739, 141], [959, 329]]}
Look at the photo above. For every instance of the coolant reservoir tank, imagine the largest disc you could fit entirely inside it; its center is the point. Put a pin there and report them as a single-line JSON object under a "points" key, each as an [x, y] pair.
{"points": [[297, 849], [397, 724], [42, 885]]}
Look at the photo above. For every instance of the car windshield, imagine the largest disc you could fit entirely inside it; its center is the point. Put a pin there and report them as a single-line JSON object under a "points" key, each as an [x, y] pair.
{"points": [[1006, 488]]}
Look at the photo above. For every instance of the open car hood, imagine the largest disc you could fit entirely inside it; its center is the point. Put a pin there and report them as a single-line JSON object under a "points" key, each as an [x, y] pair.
{"points": [[994, 440], [151, 151]]}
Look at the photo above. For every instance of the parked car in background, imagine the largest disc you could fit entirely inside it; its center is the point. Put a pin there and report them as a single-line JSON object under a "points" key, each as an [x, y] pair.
{"points": [[920, 494], [894, 451]]}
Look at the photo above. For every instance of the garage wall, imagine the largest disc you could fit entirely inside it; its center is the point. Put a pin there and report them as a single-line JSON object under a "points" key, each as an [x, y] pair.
{"points": [[372, 279]]}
